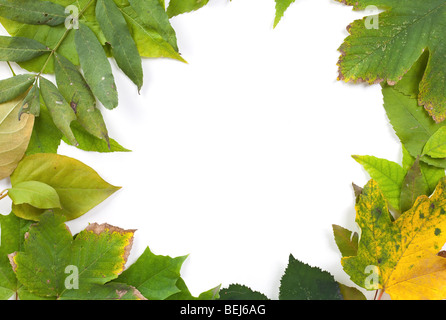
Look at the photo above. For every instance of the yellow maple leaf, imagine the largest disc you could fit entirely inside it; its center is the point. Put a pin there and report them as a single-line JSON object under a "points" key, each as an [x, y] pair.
{"points": [[401, 257]]}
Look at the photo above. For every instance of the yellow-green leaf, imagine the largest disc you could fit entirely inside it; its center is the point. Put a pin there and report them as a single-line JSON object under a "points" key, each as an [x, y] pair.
{"points": [[14, 135]]}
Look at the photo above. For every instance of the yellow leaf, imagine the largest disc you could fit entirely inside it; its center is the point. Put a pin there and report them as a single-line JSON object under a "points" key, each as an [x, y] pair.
{"points": [[401, 257], [14, 135]]}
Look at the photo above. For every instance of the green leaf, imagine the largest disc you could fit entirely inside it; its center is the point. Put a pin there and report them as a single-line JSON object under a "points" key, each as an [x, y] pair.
{"points": [[436, 145], [110, 291], [20, 49], [177, 7], [414, 185], [34, 193], [96, 67], [88, 142], [123, 46], [153, 15], [60, 110], [76, 91], [346, 240], [240, 292], [13, 231], [79, 187], [149, 42], [405, 30], [45, 137], [53, 264], [303, 282], [31, 103], [13, 87], [432, 175], [389, 175], [153, 275], [33, 12], [281, 7]]}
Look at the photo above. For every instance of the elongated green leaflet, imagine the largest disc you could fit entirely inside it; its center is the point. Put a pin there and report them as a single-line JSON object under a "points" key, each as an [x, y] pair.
{"points": [[123, 46], [60, 110], [36, 194], [33, 12], [177, 7], [76, 91], [96, 67], [20, 49], [13, 87]]}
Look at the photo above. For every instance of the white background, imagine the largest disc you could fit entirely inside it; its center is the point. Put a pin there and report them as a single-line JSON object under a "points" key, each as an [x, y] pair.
{"points": [[242, 156]]}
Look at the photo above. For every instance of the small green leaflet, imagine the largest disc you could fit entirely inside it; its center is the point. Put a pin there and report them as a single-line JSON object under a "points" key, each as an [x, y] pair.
{"points": [[35, 193], [60, 110], [177, 7], [123, 46], [13, 87], [435, 147]]}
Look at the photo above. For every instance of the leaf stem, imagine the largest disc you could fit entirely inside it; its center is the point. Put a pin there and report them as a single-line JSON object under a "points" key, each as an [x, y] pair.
{"points": [[59, 43], [3, 194], [10, 67]]}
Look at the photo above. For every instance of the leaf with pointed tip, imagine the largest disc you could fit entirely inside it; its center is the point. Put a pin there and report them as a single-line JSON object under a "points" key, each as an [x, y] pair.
{"points": [[19, 49], [96, 67], [35, 193], [388, 174], [281, 7], [79, 187], [153, 275], [33, 12], [177, 7], [60, 110], [13, 87], [346, 240], [76, 91], [436, 145], [123, 46], [303, 282], [184, 294]]}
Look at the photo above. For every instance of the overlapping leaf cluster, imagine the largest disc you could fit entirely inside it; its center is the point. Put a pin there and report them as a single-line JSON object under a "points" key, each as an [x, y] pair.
{"points": [[401, 210], [73, 40]]}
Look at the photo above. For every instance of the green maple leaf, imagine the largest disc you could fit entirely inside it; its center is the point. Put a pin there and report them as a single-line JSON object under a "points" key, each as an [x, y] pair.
{"points": [[405, 30], [54, 264]]}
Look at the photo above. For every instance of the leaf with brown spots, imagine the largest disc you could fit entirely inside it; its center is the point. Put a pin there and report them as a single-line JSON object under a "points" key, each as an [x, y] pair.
{"points": [[53, 264], [400, 257]]}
